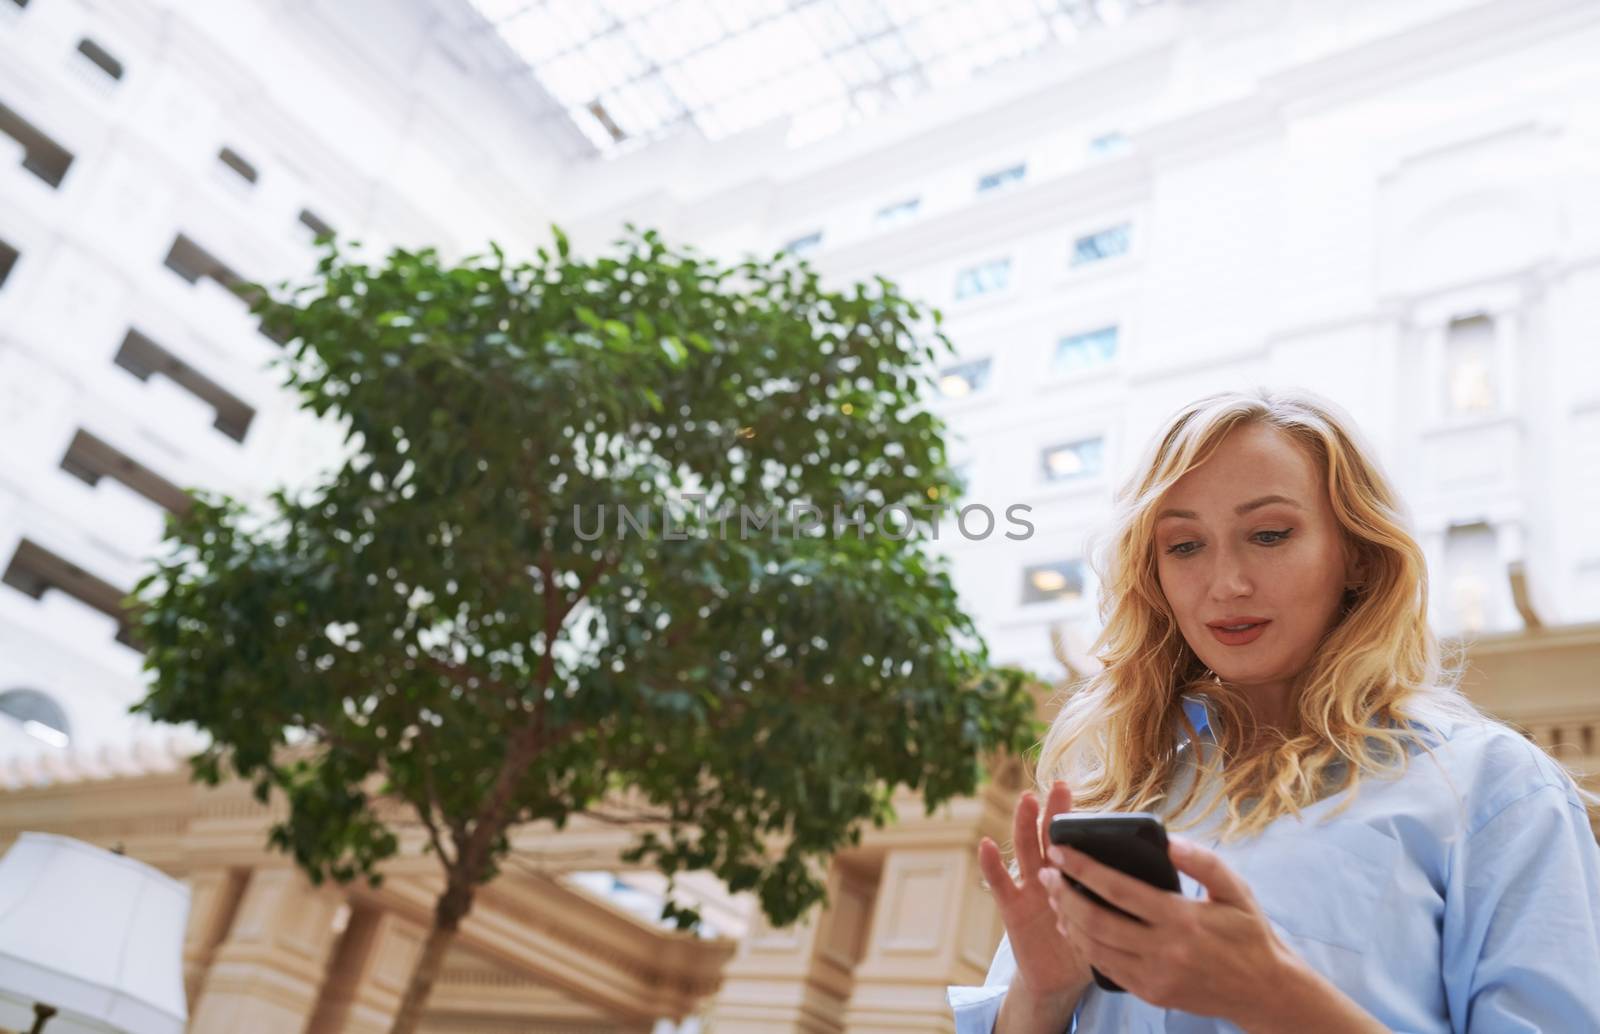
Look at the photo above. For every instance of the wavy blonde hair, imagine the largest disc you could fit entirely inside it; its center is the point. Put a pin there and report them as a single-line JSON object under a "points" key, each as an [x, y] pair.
{"points": [[1376, 683]]}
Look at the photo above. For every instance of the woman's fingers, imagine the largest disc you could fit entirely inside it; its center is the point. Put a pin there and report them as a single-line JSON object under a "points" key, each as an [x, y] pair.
{"points": [[1129, 894], [1030, 835], [1124, 967], [1025, 837], [1222, 884], [1095, 922], [994, 871], [1058, 801]]}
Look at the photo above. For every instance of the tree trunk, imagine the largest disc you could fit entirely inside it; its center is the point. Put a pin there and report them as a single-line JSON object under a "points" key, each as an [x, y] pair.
{"points": [[462, 876], [453, 905]]}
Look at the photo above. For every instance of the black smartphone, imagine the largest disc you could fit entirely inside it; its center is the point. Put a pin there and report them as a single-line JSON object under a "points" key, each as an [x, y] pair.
{"points": [[1133, 842]]}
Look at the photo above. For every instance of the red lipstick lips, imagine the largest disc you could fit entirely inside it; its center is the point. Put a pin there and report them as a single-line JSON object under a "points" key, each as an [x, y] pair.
{"points": [[1237, 631]]}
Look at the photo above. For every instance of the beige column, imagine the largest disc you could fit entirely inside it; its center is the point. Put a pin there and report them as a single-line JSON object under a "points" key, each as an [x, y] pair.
{"points": [[213, 900], [934, 925], [265, 975], [798, 980], [371, 968]]}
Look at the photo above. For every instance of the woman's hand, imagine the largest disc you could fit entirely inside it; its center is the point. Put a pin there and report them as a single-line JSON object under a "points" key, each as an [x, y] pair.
{"points": [[1212, 957], [1048, 964]]}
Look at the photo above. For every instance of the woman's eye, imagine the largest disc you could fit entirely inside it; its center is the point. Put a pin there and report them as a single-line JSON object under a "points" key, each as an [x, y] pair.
{"points": [[1272, 539]]}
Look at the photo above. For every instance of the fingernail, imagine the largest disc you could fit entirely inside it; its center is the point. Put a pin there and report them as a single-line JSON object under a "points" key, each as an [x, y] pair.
{"points": [[1057, 855], [1049, 877]]}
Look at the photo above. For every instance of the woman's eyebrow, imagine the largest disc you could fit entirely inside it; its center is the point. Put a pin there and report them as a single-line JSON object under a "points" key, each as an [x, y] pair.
{"points": [[1241, 509]]}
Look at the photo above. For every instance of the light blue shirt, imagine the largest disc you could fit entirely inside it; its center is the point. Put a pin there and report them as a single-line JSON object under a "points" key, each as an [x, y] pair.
{"points": [[1471, 914]]}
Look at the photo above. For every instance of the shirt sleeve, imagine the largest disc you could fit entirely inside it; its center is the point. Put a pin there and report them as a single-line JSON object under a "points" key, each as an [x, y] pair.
{"points": [[1521, 929], [976, 1008]]}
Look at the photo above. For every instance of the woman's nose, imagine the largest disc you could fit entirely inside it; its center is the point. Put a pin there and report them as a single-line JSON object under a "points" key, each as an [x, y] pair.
{"points": [[1228, 579]]}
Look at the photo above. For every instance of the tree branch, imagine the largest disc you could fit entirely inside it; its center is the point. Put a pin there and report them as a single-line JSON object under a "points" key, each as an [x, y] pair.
{"points": [[526, 743], [626, 820], [426, 815], [552, 625], [606, 563], [431, 790]]}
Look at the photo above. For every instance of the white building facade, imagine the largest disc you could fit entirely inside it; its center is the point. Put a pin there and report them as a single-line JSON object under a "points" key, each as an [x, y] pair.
{"points": [[150, 154], [1390, 204]]}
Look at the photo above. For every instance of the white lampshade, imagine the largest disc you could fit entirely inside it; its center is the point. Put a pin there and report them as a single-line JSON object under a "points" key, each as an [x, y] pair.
{"points": [[95, 934]]}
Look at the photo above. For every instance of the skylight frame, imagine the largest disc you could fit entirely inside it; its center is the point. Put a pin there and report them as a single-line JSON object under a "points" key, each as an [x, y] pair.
{"points": [[629, 72]]}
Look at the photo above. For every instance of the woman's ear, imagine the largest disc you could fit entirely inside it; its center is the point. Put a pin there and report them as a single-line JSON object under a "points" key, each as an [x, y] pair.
{"points": [[1356, 568]]}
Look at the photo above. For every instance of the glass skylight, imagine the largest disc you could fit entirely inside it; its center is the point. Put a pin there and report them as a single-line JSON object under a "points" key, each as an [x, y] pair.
{"points": [[630, 71]]}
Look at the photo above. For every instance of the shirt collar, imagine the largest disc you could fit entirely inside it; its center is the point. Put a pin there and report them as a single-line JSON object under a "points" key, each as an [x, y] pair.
{"points": [[1199, 715]]}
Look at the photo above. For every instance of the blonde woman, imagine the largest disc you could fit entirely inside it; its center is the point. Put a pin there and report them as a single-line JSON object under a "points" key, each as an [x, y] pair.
{"points": [[1364, 850]]}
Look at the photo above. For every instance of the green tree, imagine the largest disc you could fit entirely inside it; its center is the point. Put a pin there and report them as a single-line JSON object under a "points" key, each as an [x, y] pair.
{"points": [[443, 621]]}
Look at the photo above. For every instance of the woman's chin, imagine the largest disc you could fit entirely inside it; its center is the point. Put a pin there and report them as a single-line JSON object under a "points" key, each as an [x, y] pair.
{"points": [[1245, 675]]}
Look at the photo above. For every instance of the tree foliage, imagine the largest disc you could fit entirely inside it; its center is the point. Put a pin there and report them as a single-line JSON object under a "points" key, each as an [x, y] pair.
{"points": [[444, 620]]}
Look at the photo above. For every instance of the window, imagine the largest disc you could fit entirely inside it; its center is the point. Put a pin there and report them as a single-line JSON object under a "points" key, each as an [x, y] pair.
{"points": [[1107, 243], [1086, 350], [35, 571], [8, 261], [1472, 571], [192, 262], [1108, 144], [963, 379], [41, 155], [232, 159], [1061, 580], [993, 181], [89, 459], [983, 279], [1072, 459], [319, 228], [1469, 366], [143, 358], [97, 56], [38, 714], [803, 245], [897, 213]]}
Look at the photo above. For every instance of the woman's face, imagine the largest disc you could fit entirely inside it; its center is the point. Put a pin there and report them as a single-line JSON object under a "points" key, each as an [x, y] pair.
{"points": [[1249, 536]]}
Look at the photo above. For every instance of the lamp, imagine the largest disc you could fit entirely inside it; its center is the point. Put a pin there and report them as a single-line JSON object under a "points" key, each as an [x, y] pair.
{"points": [[96, 936]]}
